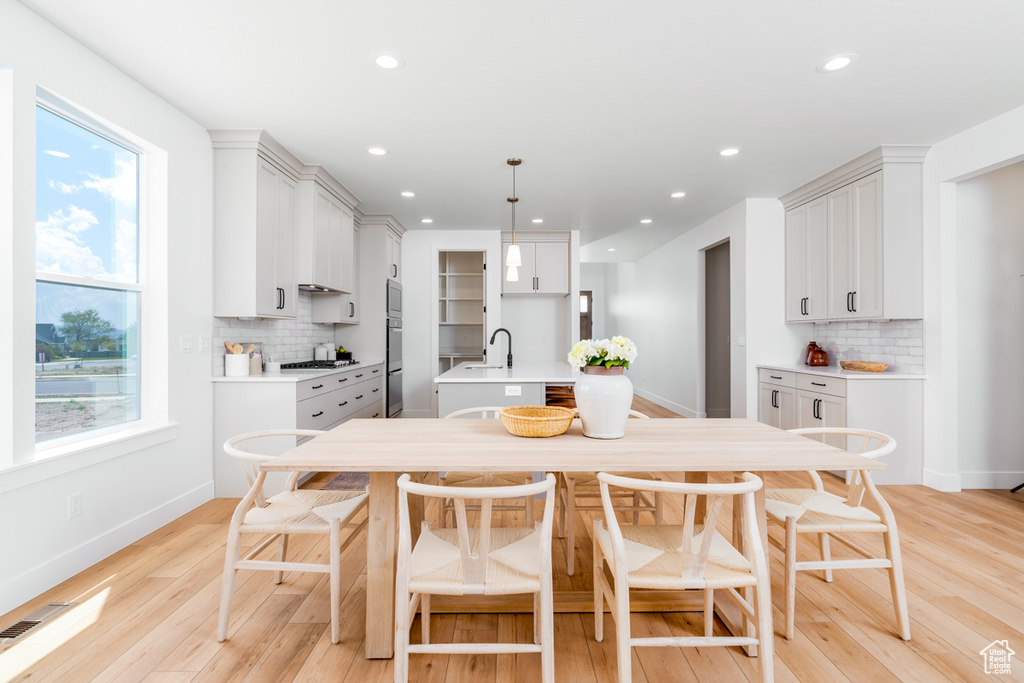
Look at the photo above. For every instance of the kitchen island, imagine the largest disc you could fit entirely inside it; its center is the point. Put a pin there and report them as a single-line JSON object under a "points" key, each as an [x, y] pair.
{"points": [[524, 384]]}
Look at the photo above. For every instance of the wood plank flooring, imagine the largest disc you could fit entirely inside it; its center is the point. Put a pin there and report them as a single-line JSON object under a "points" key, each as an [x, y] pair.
{"points": [[148, 613]]}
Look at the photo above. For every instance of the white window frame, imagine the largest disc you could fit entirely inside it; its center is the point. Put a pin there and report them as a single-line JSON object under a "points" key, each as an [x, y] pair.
{"points": [[66, 444]]}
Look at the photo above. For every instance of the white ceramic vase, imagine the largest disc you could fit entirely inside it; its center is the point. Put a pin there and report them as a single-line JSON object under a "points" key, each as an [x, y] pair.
{"points": [[603, 398]]}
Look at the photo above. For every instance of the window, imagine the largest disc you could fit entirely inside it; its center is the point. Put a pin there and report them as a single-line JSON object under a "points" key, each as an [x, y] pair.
{"points": [[89, 292]]}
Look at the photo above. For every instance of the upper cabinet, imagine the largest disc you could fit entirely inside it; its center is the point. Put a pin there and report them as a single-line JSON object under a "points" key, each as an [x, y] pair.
{"points": [[325, 252], [255, 212], [338, 307], [545, 268], [394, 256], [854, 240]]}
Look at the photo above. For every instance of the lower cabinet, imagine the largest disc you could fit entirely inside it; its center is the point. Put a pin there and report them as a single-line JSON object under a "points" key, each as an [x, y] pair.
{"points": [[790, 399], [270, 403]]}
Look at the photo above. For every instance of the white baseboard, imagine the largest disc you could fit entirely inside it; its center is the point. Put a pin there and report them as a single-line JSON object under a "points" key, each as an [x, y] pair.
{"points": [[24, 587], [991, 480], [665, 403], [950, 483]]}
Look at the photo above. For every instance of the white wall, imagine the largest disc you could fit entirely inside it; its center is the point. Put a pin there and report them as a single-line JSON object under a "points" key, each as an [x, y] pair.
{"points": [[657, 302], [539, 326], [990, 327], [986, 147], [419, 317], [131, 488]]}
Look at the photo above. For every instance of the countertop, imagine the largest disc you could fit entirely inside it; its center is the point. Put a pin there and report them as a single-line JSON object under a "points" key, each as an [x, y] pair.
{"points": [[299, 375], [838, 372], [549, 373]]}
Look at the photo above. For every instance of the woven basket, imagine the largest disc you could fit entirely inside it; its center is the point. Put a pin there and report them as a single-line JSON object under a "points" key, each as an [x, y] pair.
{"points": [[537, 420]]}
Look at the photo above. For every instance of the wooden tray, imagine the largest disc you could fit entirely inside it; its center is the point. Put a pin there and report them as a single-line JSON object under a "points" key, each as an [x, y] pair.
{"points": [[863, 365]]}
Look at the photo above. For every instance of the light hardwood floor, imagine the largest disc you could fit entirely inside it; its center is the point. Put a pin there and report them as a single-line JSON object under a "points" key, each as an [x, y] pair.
{"points": [[149, 612]]}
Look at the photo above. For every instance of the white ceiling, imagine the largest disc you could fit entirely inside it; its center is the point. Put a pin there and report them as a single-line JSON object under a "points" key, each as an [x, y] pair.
{"points": [[611, 105]]}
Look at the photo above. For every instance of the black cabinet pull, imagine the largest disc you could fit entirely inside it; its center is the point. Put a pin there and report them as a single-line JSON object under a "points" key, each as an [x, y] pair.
{"points": [[351, 310], [819, 384], [394, 269], [849, 302], [343, 404], [359, 397], [775, 394], [319, 386], [343, 379], [817, 409], [359, 375], [853, 301], [377, 370], [376, 414], [774, 377], [318, 414], [376, 390]]}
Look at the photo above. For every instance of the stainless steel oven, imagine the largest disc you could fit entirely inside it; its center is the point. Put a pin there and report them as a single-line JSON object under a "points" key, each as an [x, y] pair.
{"points": [[394, 349]]}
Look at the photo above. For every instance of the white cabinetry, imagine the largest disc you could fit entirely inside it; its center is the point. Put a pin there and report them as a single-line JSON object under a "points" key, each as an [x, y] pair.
{"points": [[807, 262], [394, 256], [545, 269], [335, 307], [255, 203], [325, 253], [322, 402], [854, 240], [890, 403]]}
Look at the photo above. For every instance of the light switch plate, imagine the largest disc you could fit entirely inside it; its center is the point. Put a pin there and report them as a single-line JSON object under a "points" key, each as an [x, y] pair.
{"points": [[515, 390], [204, 342], [186, 343]]}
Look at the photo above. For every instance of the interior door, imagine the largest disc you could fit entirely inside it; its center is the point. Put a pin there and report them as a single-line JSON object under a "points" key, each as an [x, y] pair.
{"points": [[586, 315]]}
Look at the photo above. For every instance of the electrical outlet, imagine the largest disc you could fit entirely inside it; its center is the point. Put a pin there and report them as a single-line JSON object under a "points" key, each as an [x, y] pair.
{"points": [[186, 343], [516, 390], [74, 505], [204, 342]]}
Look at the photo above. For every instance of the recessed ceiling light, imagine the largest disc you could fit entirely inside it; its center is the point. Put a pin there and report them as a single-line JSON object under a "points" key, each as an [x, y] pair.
{"points": [[55, 153], [538, 220], [426, 220], [645, 220], [408, 194], [377, 151], [677, 195], [730, 151], [612, 249], [388, 61], [838, 62]]}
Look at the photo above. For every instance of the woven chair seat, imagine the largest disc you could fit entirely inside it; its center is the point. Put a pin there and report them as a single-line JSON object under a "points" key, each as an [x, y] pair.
{"points": [[301, 512], [819, 512], [473, 479], [513, 562], [655, 560]]}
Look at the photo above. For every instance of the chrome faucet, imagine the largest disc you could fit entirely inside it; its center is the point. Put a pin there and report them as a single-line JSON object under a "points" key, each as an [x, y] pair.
{"points": [[502, 329]]}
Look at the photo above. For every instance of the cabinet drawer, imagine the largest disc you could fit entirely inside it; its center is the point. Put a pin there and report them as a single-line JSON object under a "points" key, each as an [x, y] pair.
{"points": [[823, 385], [315, 387], [374, 410], [317, 412], [779, 377], [367, 393]]}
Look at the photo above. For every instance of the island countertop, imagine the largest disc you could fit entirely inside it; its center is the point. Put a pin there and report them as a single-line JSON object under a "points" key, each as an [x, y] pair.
{"points": [[523, 373]]}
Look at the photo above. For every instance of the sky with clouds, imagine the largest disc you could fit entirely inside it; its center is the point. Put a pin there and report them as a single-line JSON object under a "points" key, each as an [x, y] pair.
{"points": [[86, 220]]}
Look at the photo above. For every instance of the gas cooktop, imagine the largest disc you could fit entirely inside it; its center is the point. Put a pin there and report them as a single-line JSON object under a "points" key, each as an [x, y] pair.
{"points": [[318, 364]]}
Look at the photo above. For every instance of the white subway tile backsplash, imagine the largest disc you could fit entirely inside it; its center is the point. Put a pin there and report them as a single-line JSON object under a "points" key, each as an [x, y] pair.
{"points": [[900, 343], [286, 341]]}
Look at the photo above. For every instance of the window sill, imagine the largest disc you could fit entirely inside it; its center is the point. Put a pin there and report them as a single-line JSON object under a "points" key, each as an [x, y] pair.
{"points": [[64, 459]]}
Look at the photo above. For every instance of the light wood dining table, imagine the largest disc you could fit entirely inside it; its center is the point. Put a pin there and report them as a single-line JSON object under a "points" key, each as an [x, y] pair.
{"points": [[386, 448]]}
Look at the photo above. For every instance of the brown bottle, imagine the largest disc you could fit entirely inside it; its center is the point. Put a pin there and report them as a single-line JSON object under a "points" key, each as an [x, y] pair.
{"points": [[817, 357], [811, 347]]}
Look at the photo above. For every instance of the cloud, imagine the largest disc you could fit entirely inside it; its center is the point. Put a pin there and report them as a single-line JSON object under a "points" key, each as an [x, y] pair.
{"points": [[125, 251], [60, 249], [64, 188], [123, 187]]}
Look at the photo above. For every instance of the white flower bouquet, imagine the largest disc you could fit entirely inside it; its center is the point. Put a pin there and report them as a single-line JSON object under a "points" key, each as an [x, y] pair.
{"points": [[617, 351]]}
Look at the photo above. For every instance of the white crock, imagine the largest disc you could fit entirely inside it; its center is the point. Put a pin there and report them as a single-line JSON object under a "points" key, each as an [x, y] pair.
{"points": [[603, 398]]}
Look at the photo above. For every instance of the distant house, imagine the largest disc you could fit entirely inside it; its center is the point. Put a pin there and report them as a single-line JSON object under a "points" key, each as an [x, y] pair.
{"points": [[46, 333]]}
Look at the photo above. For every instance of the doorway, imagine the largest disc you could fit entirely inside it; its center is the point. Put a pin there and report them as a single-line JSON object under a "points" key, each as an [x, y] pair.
{"points": [[586, 315], [717, 333]]}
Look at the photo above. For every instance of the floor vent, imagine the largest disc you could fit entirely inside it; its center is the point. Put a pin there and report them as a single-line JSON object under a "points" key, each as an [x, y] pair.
{"points": [[31, 621]]}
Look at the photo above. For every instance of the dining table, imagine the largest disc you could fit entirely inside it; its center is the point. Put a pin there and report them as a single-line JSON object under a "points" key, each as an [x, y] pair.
{"points": [[692, 447]]}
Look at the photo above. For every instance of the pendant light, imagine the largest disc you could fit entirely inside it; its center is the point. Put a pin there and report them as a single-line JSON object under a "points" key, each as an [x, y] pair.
{"points": [[513, 259]]}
